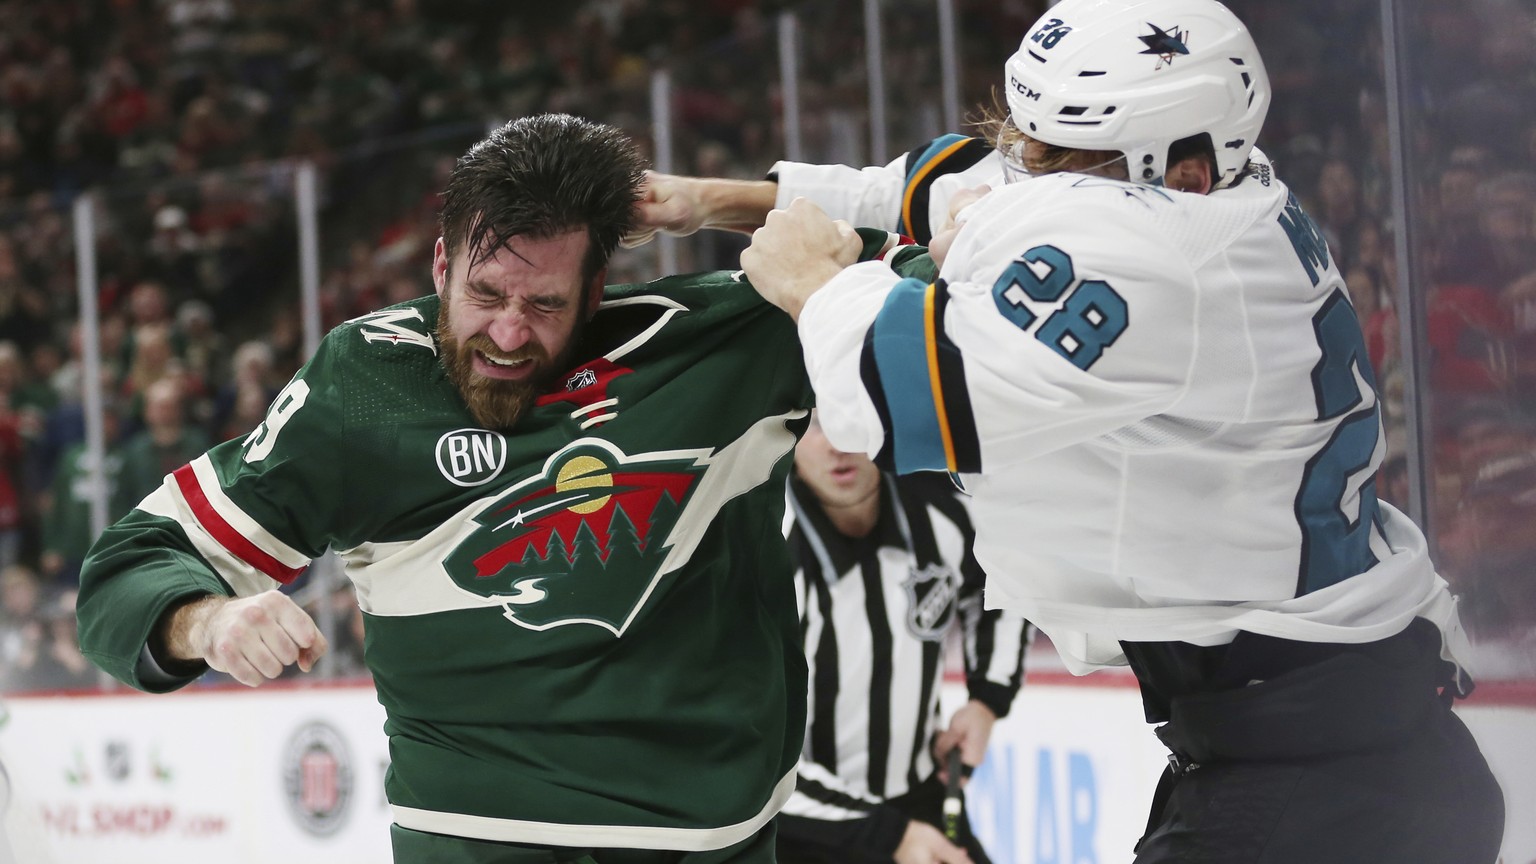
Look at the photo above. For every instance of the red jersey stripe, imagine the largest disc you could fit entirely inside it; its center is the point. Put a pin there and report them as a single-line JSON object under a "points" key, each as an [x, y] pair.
{"points": [[231, 539]]}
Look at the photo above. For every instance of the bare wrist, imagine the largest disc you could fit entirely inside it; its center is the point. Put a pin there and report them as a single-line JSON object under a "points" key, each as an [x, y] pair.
{"points": [[736, 205], [180, 637]]}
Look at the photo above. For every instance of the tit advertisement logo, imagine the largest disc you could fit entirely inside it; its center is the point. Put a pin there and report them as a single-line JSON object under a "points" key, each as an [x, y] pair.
{"points": [[581, 543]]}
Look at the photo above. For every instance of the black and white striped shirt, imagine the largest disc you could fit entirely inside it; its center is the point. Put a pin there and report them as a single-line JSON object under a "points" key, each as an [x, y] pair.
{"points": [[874, 614]]}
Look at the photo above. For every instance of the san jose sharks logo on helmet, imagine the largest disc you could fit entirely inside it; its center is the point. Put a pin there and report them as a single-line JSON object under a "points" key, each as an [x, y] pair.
{"points": [[583, 541], [1165, 45]]}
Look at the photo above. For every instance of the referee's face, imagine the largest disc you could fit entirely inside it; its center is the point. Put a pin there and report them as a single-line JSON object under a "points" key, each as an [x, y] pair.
{"points": [[837, 479]]}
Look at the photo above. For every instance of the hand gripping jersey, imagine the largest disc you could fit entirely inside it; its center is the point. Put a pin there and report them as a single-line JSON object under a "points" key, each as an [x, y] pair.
{"points": [[583, 630], [1165, 402]]}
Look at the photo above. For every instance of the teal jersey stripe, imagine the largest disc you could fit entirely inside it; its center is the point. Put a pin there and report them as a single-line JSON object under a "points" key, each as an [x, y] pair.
{"points": [[936, 147], [901, 353], [915, 167]]}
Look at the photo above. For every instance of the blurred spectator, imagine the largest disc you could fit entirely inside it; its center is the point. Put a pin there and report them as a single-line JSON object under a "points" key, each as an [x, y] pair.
{"points": [[1492, 108], [153, 359], [66, 521], [60, 665], [198, 28], [173, 251], [522, 79], [285, 337], [1489, 544], [24, 309], [1469, 341], [253, 385], [250, 409], [1503, 247], [1455, 204], [21, 627], [1340, 208], [37, 388], [350, 101], [202, 348], [1520, 301], [222, 212], [1471, 348], [353, 288], [449, 86], [148, 305], [12, 425], [166, 443], [120, 101], [346, 654], [145, 99], [403, 288]]}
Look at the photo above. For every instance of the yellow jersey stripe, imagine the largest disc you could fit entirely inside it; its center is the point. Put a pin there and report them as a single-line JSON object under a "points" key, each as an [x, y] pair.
{"points": [[917, 180], [930, 333]]}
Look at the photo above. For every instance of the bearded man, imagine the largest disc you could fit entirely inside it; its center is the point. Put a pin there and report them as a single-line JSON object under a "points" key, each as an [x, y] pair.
{"points": [[561, 510]]}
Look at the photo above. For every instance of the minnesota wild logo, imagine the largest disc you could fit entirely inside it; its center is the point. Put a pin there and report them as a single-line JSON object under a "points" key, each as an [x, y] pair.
{"points": [[582, 542]]}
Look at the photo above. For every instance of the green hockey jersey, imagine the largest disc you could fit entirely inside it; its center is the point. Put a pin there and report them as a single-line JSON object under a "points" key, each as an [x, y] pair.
{"points": [[583, 629]]}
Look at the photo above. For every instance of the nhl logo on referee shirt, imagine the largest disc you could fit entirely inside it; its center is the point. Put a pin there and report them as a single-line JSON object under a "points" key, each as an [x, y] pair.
{"points": [[931, 593], [317, 778]]}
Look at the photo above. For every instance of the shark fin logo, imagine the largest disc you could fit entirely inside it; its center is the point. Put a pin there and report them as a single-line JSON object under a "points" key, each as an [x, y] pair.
{"points": [[582, 542], [1166, 45]]}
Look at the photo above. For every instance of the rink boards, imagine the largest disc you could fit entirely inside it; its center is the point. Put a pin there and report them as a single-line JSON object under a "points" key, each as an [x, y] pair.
{"points": [[295, 774]]}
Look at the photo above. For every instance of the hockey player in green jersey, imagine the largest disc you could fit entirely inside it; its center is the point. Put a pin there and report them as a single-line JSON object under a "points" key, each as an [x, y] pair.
{"points": [[560, 506]]}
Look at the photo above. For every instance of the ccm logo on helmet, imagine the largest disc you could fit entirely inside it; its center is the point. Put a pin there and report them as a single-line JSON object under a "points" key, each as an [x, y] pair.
{"points": [[1020, 88]]}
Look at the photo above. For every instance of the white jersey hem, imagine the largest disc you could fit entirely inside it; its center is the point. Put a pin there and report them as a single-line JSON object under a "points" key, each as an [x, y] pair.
{"points": [[597, 836]]}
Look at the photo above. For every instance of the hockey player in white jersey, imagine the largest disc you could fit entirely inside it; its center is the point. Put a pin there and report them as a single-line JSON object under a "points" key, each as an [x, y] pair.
{"points": [[1144, 364]]}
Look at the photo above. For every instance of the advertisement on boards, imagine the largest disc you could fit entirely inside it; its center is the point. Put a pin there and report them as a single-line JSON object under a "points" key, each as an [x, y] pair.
{"points": [[296, 775]]}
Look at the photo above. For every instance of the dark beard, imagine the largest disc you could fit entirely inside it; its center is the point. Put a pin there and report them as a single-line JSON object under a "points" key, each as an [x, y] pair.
{"points": [[497, 404]]}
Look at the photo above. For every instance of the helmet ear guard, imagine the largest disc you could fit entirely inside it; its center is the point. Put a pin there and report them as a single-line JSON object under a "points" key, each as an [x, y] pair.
{"points": [[1138, 76]]}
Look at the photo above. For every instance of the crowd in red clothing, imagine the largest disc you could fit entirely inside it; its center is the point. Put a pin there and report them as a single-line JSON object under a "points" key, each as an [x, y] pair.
{"points": [[185, 118]]}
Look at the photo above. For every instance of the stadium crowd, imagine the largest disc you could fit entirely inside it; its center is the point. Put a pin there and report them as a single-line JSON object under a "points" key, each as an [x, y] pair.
{"points": [[186, 118]]}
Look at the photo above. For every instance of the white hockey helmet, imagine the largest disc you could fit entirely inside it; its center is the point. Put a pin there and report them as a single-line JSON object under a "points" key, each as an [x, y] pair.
{"points": [[1135, 76]]}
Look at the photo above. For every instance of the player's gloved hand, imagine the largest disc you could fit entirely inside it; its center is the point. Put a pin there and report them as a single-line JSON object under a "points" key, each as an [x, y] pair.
{"points": [[925, 844], [797, 251], [969, 729], [250, 638]]}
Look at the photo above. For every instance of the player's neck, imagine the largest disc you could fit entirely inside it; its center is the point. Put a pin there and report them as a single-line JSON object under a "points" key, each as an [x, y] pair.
{"points": [[855, 519]]}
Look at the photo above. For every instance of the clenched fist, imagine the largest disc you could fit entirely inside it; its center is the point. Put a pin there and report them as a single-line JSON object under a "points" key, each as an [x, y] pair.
{"points": [[250, 638], [797, 251]]}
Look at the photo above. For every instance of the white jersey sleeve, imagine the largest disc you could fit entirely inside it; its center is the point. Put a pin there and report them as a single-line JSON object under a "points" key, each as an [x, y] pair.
{"points": [[1163, 407], [1041, 332], [910, 195]]}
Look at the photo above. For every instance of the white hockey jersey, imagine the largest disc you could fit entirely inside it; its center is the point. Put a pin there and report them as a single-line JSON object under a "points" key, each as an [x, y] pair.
{"points": [[1161, 403]]}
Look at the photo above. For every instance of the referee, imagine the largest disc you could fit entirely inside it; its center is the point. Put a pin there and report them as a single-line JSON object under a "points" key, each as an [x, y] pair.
{"points": [[884, 572]]}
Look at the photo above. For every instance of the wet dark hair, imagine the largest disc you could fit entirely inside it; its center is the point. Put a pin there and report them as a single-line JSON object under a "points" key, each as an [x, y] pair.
{"points": [[542, 176]]}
